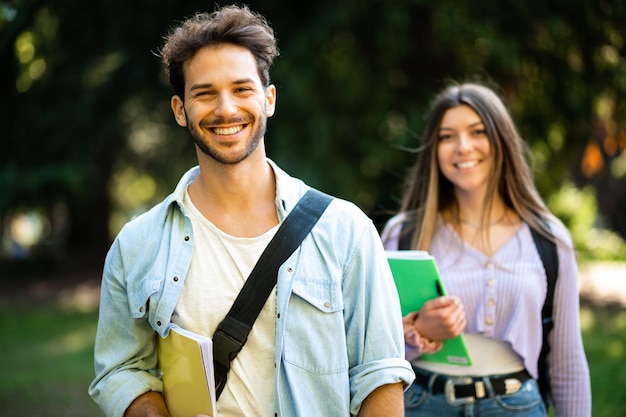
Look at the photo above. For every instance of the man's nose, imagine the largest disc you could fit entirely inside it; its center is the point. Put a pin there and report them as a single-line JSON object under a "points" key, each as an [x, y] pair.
{"points": [[225, 106]]}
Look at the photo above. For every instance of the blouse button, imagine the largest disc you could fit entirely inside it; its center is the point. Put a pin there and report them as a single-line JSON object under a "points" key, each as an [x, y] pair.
{"points": [[491, 302], [490, 282], [488, 265], [489, 321]]}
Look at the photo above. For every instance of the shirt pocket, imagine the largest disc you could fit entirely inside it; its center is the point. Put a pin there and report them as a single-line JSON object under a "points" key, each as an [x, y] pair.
{"points": [[315, 337]]}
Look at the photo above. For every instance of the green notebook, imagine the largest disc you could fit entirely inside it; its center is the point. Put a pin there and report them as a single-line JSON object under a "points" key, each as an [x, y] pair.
{"points": [[417, 279]]}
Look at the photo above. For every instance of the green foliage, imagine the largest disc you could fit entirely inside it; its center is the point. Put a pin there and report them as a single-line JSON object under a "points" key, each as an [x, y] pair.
{"points": [[85, 101], [579, 212]]}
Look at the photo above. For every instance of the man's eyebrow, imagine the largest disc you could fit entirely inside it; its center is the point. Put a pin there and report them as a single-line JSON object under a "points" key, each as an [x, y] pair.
{"points": [[243, 81], [202, 86]]}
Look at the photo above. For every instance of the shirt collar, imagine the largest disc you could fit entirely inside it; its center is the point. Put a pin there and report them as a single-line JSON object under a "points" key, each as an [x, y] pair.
{"points": [[288, 189]]}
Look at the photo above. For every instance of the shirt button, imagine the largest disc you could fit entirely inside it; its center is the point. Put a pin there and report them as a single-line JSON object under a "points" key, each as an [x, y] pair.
{"points": [[490, 282], [489, 321], [327, 304], [290, 269], [141, 309], [186, 238], [175, 279], [488, 265], [159, 323], [491, 302]]}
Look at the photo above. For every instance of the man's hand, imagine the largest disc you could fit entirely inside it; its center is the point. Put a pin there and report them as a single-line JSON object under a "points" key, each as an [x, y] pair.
{"points": [[149, 404], [384, 401]]}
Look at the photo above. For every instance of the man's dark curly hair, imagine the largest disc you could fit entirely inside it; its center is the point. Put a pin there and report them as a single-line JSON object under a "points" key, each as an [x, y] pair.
{"points": [[232, 25]]}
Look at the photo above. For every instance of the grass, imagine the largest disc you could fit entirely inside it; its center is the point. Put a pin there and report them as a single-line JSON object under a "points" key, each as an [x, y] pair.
{"points": [[47, 360], [604, 335]]}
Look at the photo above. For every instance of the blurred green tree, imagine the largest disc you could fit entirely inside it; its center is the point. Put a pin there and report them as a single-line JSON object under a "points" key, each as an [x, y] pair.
{"points": [[88, 138]]}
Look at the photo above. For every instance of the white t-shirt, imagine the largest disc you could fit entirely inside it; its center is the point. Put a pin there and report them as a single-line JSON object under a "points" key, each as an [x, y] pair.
{"points": [[219, 267]]}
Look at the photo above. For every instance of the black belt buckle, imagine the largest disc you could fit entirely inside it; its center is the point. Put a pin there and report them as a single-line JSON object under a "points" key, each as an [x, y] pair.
{"points": [[450, 390]]}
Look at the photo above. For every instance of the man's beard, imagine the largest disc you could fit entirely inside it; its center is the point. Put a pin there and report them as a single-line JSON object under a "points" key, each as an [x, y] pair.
{"points": [[225, 157]]}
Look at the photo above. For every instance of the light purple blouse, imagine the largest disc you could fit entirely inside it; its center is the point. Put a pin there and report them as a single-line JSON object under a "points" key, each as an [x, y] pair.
{"points": [[503, 296]]}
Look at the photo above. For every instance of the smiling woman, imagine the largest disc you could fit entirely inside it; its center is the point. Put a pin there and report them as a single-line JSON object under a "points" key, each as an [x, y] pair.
{"points": [[471, 202], [464, 153]]}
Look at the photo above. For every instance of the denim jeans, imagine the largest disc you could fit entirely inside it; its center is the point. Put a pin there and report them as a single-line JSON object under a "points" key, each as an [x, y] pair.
{"points": [[526, 402]]}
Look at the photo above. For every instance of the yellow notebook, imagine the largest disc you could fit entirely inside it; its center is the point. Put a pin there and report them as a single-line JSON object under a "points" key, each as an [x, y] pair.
{"points": [[186, 364], [417, 278]]}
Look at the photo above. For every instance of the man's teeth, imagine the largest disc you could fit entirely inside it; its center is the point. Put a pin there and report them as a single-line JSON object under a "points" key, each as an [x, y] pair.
{"points": [[227, 130], [467, 164]]}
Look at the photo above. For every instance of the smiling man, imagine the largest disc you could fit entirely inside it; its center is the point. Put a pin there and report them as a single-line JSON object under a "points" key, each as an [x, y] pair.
{"points": [[328, 341]]}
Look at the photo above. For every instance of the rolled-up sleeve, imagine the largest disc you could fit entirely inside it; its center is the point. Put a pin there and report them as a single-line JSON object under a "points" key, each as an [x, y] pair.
{"points": [[125, 349], [373, 321]]}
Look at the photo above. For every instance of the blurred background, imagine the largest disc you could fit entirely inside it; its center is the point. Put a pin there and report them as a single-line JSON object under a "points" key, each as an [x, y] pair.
{"points": [[87, 141]]}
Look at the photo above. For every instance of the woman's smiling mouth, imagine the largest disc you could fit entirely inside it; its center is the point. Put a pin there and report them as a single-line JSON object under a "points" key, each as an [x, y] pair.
{"points": [[467, 164]]}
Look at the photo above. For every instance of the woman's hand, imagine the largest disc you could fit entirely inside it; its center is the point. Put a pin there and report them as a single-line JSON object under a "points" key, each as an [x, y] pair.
{"points": [[441, 318], [416, 344]]}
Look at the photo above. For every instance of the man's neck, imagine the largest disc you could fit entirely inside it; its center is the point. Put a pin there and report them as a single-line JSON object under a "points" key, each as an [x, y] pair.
{"points": [[239, 199]]}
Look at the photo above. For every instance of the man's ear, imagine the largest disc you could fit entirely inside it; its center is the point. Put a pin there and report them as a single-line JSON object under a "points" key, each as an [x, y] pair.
{"points": [[178, 109], [270, 100]]}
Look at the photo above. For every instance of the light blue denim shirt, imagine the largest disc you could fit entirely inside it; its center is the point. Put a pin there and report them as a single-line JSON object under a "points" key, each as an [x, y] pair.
{"points": [[338, 323]]}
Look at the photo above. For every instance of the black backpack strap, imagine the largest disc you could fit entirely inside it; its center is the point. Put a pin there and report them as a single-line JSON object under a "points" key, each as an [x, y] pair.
{"points": [[231, 334], [550, 259], [407, 229]]}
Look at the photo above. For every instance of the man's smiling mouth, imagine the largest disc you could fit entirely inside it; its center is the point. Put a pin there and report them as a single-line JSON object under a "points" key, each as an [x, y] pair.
{"points": [[227, 130]]}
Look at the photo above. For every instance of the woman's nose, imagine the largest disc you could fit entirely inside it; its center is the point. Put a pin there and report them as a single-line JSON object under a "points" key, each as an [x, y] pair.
{"points": [[463, 142]]}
